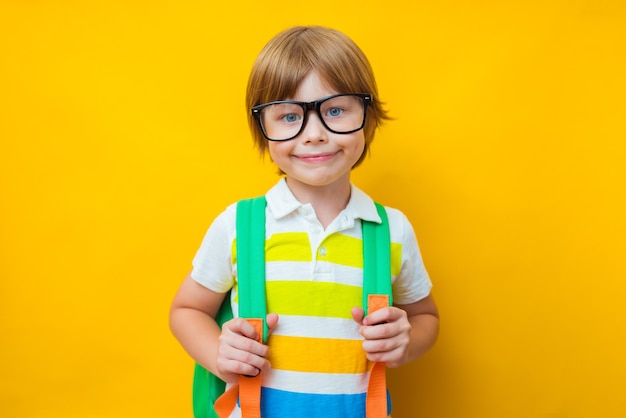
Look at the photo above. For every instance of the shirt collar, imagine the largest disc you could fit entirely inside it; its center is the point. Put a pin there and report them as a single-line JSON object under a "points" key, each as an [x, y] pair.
{"points": [[281, 202]]}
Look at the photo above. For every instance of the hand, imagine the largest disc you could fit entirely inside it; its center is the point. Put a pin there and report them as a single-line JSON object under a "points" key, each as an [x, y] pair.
{"points": [[239, 352], [386, 333]]}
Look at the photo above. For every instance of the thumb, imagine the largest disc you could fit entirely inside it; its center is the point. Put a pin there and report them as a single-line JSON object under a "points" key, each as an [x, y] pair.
{"points": [[272, 321], [357, 315]]}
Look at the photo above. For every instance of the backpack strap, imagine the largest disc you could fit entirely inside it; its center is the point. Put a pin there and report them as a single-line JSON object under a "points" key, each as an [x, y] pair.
{"points": [[250, 247], [377, 294], [376, 260]]}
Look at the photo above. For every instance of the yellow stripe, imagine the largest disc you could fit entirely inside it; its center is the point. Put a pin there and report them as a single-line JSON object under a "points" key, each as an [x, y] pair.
{"points": [[348, 251], [312, 298], [317, 355], [396, 258], [288, 246], [343, 250]]}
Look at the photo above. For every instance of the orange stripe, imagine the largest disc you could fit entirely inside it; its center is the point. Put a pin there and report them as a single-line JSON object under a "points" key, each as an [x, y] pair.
{"points": [[317, 355]]}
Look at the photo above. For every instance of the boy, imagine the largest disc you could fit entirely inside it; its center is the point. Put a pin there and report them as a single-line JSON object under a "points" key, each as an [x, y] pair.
{"points": [[314, 108]]}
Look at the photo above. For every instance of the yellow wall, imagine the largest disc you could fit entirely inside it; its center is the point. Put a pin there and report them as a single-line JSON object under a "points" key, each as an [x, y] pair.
{"points": [[122, 134]]}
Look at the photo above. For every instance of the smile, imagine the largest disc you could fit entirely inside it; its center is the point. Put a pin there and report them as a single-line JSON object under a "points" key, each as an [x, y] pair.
{"points": [[315, 158]]}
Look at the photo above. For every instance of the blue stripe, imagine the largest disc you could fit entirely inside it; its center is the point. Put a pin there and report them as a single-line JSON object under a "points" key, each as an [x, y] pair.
{"points": [[283, 404]]}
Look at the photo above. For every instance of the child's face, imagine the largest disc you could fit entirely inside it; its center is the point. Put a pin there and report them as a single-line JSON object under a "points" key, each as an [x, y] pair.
{"points": [[317, 157]]}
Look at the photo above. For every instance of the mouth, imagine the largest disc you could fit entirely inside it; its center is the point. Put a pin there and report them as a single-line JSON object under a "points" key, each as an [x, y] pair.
{"points": [[316, 158]]}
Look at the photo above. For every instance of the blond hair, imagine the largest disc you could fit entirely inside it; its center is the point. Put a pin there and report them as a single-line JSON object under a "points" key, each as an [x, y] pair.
{"points": [[292, 54]]}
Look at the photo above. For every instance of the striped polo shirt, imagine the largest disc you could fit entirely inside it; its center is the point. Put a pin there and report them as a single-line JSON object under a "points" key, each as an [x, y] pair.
{"points": [[314, 278]]}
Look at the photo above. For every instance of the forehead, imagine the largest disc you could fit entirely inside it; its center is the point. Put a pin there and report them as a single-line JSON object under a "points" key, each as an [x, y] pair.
{"points": [[312, 87]]}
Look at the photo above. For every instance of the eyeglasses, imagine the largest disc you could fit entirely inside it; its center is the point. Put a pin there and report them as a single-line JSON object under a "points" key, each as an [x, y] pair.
{"points": [[285, 119]]}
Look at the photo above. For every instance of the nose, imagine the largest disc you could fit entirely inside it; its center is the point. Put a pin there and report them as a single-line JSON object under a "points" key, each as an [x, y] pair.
{"points": [[314, 130]]}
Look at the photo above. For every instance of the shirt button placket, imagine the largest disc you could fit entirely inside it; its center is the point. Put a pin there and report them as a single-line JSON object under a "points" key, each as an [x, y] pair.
{"points": [[315, 239]]}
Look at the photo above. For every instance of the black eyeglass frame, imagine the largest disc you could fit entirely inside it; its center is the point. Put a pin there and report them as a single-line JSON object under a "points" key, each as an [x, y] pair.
{"points": [[307, 107]]}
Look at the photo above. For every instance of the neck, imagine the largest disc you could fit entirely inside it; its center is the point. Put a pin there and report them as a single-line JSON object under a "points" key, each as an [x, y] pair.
{"points": [[327, 201]]}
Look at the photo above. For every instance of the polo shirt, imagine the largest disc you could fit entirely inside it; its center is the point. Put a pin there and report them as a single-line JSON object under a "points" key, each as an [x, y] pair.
{"points": [[314, 278]]}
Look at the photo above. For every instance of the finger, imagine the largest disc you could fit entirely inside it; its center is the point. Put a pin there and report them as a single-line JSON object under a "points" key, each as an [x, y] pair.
{"points": [[384, 315], [240, 349], [240, 326], [379, 331], [239, 367], [239, 335], [272, 321], [391, 358], [377, 317], [357, 315], [380, 345]]}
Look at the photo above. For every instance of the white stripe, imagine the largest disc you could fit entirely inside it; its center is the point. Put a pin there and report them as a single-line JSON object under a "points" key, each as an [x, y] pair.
{"points": [[316, 383], [292, 271], [317, 327], [304, 271]]}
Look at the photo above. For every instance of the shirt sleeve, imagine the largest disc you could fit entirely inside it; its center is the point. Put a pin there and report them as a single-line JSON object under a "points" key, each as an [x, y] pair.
{"points": [[412, 282], [212, 264]]}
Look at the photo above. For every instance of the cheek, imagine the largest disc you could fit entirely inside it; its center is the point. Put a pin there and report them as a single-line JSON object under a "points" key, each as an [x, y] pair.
{"points": [[271, 150], [359, 146], [278, 150]]}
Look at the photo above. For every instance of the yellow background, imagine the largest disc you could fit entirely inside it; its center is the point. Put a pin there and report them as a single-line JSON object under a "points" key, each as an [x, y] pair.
{"points": [[123, 133]]}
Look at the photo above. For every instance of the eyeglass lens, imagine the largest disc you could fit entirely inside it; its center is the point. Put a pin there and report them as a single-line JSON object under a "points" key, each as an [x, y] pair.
{"points": [[340, 114]]}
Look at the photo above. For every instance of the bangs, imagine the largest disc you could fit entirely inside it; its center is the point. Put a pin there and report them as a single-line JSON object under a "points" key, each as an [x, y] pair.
{"points": [[280, 78], [284, 63]]}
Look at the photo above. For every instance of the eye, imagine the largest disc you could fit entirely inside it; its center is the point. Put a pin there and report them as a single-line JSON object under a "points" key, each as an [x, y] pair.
{"points": [[334, 112], [290, 117]]}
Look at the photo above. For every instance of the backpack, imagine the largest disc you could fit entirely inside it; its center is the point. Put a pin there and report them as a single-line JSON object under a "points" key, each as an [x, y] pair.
{"points": [[250, 247]]}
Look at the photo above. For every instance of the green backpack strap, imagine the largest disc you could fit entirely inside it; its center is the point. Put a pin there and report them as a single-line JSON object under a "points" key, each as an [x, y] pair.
{"points": [[376, 258], [252, 304], [251, 249]]}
